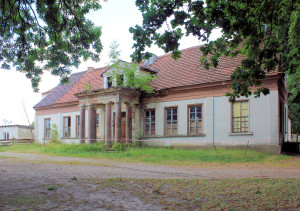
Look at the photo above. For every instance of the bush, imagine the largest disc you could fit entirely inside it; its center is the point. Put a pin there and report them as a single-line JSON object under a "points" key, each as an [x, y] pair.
{"points": [[139, 144], [121, 146]]}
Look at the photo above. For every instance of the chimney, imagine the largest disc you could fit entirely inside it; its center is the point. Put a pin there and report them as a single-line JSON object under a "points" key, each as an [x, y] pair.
{"points": [[90, 68], [151, 60]]}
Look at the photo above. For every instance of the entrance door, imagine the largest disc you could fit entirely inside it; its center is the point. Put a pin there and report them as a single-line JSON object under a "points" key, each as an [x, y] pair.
{"points": [[123, 125]]}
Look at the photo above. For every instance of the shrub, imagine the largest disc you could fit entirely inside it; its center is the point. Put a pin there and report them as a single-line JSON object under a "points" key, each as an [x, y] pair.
{"points": [[121, 146], [139, 144], [54, 135]]}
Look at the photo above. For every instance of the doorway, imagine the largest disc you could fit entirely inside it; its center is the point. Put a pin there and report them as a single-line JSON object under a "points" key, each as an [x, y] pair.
{"points": [[123, 125]]}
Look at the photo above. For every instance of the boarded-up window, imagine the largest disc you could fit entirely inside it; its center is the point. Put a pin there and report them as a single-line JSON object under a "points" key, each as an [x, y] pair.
{"points": [[171, 121], [240, 118], [47, 128], [149, 122], [67, 126], [195, 119], [77, 125]]}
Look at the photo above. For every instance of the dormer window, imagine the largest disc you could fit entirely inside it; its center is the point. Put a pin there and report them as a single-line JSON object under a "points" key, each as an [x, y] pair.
{"points": [[109, 82]]}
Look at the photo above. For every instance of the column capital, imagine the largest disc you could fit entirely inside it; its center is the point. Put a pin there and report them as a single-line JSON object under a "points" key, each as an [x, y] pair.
{"points": [[109, 103], [93, 106], [129, 104], [82, 106]]}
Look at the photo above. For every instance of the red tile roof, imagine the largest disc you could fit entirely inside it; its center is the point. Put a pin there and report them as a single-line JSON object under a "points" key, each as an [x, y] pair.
{"points": [[188, 71], [93, 77], [170, 73], [65, 93]]}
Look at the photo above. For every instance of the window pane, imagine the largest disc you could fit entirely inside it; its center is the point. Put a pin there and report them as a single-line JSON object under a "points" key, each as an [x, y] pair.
{"points": [[199, 115], [174, 111], [192, 124], [147, 128], [153, 129], [199, 109], [236, 109], [174, 117], [174, 131], [174, 125], [192, 116], [192, 109], [153, 113], [147, 114], [169, 114], [97, 120], [199, 124], [192, 130]]}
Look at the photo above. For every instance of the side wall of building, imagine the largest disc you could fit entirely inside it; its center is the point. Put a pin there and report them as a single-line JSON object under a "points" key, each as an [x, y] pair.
{"points": [[12, 131], [217, 121]]}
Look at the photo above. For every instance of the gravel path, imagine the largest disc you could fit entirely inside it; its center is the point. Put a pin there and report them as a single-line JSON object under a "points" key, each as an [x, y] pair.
{"points": [[30, 175]]}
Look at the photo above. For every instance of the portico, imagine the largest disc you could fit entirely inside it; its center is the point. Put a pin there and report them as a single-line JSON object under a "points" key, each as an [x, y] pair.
{"points": [[114, 102]]}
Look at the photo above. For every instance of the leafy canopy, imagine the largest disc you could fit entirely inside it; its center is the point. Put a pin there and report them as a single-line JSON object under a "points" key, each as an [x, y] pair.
{"points": [[127, 74], [53, 35], [265, 32]]}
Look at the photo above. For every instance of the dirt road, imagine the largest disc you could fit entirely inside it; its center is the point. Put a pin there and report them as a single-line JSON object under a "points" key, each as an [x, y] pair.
{"points": [[25, 180]]}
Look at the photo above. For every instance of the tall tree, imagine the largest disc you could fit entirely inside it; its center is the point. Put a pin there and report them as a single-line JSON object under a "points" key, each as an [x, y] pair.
{"points": [[53, 35], [294, 101], [266, 32]]}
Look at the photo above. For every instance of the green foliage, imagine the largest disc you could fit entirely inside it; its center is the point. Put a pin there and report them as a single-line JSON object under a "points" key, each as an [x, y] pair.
{"points": [[40, 35], [139, 144], [126, 74], [294, 100], [54, 134], [266, 33], [87, 87], [51, 187], [121, 146]]}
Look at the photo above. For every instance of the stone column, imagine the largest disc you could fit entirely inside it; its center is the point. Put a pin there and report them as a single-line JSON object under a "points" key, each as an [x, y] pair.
{"points": [[82, 125], [137, 121], [92, 125], [108, 124], [101, 123], [128, 123], [118, 122]]}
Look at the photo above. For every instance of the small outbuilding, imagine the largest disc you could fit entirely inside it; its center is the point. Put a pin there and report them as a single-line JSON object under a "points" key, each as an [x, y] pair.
{"points": [[19, 133]]}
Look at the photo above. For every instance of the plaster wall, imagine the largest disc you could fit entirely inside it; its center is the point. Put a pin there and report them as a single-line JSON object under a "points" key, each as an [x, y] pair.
{"points": [[263, 121], [25, 133], [13, 132]]}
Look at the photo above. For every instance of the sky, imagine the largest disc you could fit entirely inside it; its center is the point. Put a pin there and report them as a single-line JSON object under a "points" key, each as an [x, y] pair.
{"points": [[115, 17]]}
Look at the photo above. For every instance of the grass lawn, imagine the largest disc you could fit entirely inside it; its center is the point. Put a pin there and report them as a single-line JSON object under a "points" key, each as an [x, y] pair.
{"points": [[151, 155], [226, 194]]}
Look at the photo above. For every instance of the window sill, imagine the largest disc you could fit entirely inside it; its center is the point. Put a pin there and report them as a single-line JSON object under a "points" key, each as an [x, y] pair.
{"points": [[241, 134], [174, 136], [70, 138]]}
